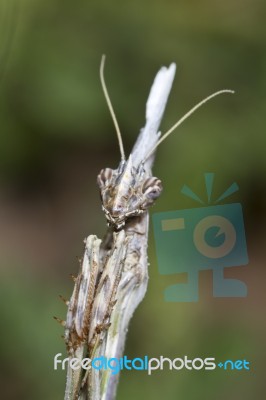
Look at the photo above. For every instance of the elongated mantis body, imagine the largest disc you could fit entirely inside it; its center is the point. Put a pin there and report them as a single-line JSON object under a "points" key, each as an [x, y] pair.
{"points": [[114, 273]]}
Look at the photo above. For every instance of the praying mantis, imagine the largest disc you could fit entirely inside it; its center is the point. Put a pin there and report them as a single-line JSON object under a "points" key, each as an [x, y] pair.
{"points": [[113, 276]]}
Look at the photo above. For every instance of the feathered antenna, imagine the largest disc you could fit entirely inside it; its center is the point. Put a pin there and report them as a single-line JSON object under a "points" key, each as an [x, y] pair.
{"points": [[187, 115], [119, 136]]}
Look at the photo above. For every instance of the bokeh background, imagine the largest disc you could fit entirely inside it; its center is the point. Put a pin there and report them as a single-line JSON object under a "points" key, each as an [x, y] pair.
{"points": [[56, 134]]}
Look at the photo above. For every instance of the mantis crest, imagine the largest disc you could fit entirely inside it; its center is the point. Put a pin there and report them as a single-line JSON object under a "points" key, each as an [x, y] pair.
{"points": [[113, 275]]}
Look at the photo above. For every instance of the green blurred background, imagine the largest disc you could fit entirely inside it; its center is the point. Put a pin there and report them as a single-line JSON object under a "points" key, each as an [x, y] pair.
{"points": [[56, 134]]}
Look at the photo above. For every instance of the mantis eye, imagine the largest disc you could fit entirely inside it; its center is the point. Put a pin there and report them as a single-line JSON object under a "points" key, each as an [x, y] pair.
{"points": [[152, 188], [104, 178]]}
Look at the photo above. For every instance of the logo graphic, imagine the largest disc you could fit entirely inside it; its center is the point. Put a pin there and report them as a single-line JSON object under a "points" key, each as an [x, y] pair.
{"points": [[146, 363], [207, 238]]}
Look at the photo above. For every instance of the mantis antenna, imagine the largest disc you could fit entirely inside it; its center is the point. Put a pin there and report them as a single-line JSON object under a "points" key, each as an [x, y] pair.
{"points": [[187, 115], [106, 95]]}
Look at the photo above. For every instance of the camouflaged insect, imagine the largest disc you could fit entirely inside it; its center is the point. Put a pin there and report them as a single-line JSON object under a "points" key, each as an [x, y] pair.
{"points": [[113, 275]]}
